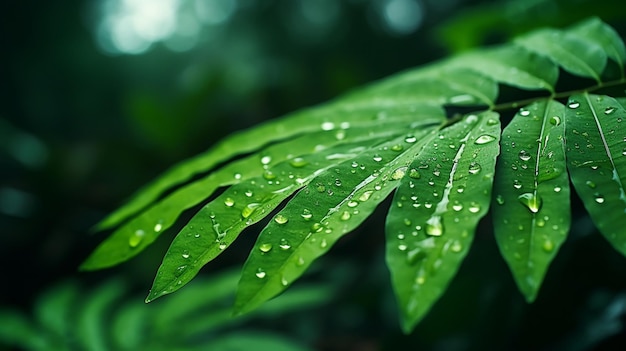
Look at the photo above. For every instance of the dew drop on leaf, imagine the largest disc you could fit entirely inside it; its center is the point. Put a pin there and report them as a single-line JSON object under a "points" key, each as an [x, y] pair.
{"points": [[337, 182], [398, 173], [555, 120], [265, 160], [237, 176], [548, 245], [531, 201], [266, 247], [135, 239], [524, 155], [474, 207], [434, 226], [159, 226], [323, 243], [415, 174], [524, 112], [557, 189], [298, 162], [397, 147], [410, 139], [284, 244], [377, 158], [609, 110], [366, 195], [484, 139], [229, 202], [249, 209], [590, 184], [500, 200], [260, 273], [280, 219], [185, 254], [517, 184], [306, 214], [456, 246], [402, 247], [573, 104], [345, 215], [474, 168], [598, 198], [457, 206]]}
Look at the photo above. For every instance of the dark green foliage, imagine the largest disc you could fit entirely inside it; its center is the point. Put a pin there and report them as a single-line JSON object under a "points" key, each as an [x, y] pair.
{"points": [[338, 161]]}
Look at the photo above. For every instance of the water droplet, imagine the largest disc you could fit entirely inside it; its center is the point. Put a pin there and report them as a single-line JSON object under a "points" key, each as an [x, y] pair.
{"points": [[265, 247], [555, 120], [548, 245], [323, 243], [345, 215], [159, 226], [284, 244], [492, 122], [306, 214], [229, 202], [316, 227], [280, 219], [524, 155], [415, 174], [260, 273], [377, 158], [366, 195], [185, 254], [410, 139], [598, 198], [456, 246], [320, 187], [474, 167], [624, 152], [474, 207], [434, 226], [609, 110], [402, 247], [340, 135], [266, 160], [237, 176], [590, 184], [457, 206], [249, 193], [460, 189], [531, 201], [397, 147], [517, 184], [197, 235], [398, 173], [470, 119], [328, 126], [222, 245], [135, 239], [484, 139], [298, 162], [573, 104], [557, 189], [249, 209], [524, 112], [337, 182], [500, 200]]}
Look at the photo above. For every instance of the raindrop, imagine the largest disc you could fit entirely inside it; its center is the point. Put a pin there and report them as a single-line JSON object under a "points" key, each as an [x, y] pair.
{"points": [[474, 207], [598, 198], [323, 243], [300, 261], [415, 174], [249, 193], [237, 176], [265, 247], [345, 215], [247, 211], [159, 226], [590, 184], [298, 162], [328, 126], [229, 202], [474, 168], [269, 175], [548, 245], [492, 122], [284, 244], [317, 227], [517, 184], [320, 187], [366, 195], [266, 160], [471, 119], [434, 226], [260, 273], [407, 222], [410, 139], [609, 110], [524, 155], [352, 204], [397, 147], [555, 120], [500, 200], [377, 158], [306, 214], [280, 219], [197, 235], [456, 246], [340, 135], [460, 189], [531, 201], [136, 238], [402, 247], [222, 245], [524, 112], [457, 206], [185, 254], [624, 152], [557, 189], [398, 173], [337, 182], [573, 104], [484, 139]]}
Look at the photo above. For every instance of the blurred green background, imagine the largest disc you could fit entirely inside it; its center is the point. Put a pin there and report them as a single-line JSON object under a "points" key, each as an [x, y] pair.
{"points": [[98, 97]]}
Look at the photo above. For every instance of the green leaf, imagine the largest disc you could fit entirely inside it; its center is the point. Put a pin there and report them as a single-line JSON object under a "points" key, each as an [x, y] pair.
{"points": [[334, 203], [596, 159], [435, 210], [599, 32], [510, 65], [17, 330], [134, 236], [531, 190], [574, 53]]}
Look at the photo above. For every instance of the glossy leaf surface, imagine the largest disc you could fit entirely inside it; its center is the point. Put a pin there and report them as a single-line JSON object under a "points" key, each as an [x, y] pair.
{"points": [[531, 215]]}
